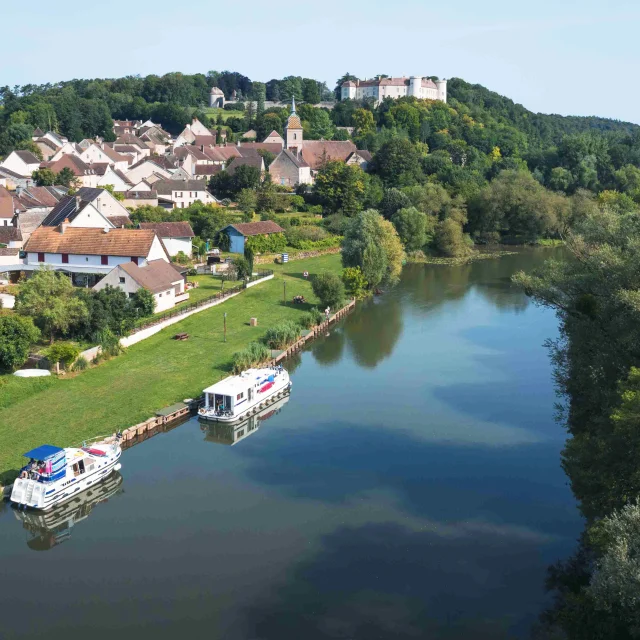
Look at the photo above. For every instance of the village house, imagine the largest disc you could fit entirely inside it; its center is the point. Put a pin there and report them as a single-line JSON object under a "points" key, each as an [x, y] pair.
{"points": [[178, 194], [76, 213], [96, 154], [47, 148], [252, 160], [22, 163], [159, 277], [89, 254], [289, 170], [360, 157], [12, 180], [11, 237], [7, 210], [116, 178], [176, 236], [146, 167], [109, 206], [239, 232], [84, 173], [134, 199], [274, 138]]}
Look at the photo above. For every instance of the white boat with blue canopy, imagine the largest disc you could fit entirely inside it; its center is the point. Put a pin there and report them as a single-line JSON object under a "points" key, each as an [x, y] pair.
{"points": [[237, 397], [54, 475]]}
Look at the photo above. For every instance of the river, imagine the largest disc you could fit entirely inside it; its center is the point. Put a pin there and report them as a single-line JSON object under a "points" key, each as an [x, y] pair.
{"points": [[410, 488]]}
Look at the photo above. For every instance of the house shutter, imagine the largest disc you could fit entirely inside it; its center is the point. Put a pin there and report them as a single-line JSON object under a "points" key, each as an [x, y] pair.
{"points": [[104, 259], [134, 260], [41, 257], [65, 258]]}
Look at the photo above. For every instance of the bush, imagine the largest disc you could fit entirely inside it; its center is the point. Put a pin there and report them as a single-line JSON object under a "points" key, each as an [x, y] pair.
{"points": [[354, 281], [110, 343], [63, 352], [242, 267], [336, 224], [17, 334], [182, 258], [314, 208], [329, 289], [311, 319], [255, 353], [80, 364], [282, 335], [236, 106]]}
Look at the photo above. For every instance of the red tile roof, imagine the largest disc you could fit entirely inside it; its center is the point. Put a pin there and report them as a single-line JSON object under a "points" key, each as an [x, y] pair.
{"points": [[257, 228]]}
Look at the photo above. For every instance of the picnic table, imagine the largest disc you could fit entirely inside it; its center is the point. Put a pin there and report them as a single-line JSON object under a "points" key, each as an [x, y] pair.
{"points": [[181, 336]]}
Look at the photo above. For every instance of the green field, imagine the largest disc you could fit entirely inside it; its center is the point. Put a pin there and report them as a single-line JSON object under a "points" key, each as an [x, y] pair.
{"points": [[214, 112], [148, 376]]}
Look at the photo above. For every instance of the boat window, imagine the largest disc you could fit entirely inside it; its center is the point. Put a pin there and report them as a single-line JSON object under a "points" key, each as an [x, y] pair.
{"points": [[240, 396], [76, 470], [81, 466]]}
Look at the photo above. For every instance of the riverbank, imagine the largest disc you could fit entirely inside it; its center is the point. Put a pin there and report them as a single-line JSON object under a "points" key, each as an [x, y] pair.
{"points": [[149, 375]]}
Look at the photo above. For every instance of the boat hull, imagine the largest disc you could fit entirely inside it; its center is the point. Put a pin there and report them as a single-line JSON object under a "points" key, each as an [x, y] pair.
{"points": [[43, 496]]}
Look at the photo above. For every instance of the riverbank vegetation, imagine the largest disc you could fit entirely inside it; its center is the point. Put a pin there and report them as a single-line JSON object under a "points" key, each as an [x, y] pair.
{"points": [[596, 296], [151, 374]]}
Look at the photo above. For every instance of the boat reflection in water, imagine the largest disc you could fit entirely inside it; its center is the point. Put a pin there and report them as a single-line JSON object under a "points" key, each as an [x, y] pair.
{"points": [[47, 529], [225, 433]]}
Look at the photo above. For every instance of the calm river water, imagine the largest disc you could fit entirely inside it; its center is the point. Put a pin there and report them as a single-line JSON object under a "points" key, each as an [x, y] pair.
{"points": [[410, 488]]}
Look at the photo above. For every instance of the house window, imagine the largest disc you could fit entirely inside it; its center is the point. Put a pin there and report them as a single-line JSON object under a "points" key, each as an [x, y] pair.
{"points": [[134, 260], [131, 295], [104, 259], [159, 295], [41, 257], [65, 258], [121, 279]]}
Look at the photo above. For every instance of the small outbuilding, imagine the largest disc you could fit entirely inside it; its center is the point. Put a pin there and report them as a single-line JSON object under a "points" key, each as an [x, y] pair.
{"points": [[238, 232]]}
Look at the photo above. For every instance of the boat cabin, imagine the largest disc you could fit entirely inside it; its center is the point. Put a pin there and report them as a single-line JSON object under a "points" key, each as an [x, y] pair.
{"points": [[231, 395]]}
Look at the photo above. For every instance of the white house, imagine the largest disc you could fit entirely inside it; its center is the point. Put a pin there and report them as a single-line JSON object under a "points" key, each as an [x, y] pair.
{"points": [[24, 163], [159, 277], [274, 138], [67, 149], [89, 254], [176, 236], [95, 153], [84, 174], [144, 168], [115, 178], [104, 202], [77, 213], [178, 194]]}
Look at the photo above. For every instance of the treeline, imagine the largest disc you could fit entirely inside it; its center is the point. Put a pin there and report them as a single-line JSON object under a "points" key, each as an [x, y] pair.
{"points": [[84, 108], [596, 296]]}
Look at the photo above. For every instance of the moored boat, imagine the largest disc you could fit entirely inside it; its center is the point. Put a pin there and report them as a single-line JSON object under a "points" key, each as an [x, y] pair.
{"points": [[55, 475], [237, 397]]}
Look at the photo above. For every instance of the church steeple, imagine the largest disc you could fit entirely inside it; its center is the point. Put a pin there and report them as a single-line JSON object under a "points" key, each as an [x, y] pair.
{"points": [[293, 130]]}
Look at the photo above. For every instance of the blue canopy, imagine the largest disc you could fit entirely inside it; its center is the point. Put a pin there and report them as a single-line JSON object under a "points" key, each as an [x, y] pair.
{"points": [[43, 452]]}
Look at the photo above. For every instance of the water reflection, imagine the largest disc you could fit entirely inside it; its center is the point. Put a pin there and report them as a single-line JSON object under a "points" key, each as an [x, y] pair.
{"points": [[374, 329], [328, 350], [48, 529], [225, 433]]}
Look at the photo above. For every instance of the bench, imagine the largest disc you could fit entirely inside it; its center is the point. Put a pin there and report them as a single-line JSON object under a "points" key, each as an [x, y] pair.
{"points": [[181, 336]]}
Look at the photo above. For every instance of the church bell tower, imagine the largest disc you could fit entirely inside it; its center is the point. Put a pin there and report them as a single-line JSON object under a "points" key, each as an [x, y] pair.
{"points": [[293, 131]]}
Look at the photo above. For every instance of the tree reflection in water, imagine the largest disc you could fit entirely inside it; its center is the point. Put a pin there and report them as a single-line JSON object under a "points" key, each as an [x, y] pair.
{"points": [[328, 350]]}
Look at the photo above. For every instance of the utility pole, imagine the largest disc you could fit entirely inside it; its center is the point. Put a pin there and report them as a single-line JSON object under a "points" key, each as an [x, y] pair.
{"points": [[225, 326], [284, 291]]}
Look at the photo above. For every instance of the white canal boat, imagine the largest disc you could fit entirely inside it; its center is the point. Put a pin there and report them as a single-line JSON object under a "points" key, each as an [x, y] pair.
{"points": [[55, 475], [237, 397]]}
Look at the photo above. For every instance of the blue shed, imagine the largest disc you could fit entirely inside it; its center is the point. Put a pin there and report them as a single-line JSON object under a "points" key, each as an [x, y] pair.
{"points": [[238, 232]]}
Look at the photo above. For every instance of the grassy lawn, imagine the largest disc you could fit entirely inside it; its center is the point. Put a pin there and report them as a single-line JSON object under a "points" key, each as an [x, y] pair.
{"points": [[150, 375], [208, 285], [214, 112]]}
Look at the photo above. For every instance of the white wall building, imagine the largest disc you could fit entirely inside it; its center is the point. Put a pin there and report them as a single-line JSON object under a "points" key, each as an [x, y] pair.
{"points": [[178, 194], [89, 254], [159, 277], [381, 88], [176, 236]]}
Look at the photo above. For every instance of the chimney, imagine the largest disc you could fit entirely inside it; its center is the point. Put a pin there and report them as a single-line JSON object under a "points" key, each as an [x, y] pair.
{"points": [[63, 225], [78, 202], [106, 230]]}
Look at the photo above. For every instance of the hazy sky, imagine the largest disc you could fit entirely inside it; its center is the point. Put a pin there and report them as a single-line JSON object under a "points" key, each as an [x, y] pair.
{"points": [[556, 56]]}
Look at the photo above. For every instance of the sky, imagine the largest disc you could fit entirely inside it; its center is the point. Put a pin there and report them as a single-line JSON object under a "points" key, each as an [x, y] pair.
{"points": [[572, 57]]}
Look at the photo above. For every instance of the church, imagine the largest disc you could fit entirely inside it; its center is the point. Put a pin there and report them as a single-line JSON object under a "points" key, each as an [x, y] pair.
{"points": [[300, 159]]}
